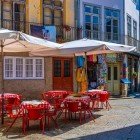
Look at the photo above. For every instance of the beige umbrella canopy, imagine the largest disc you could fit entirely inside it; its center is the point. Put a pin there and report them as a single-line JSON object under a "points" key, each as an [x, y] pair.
{"points": [[12, 45], [14, 41]]}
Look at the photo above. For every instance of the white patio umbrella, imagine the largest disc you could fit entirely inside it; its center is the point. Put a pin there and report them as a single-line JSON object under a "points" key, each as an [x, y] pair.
{"points": [[14, 41], [82, 46]]}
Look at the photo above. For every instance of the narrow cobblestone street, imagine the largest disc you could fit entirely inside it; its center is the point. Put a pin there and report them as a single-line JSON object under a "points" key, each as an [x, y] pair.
{"points": [[122, 122]]}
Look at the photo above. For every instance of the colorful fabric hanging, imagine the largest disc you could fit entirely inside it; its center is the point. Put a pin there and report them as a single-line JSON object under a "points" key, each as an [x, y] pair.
{"points": [[111, 58], [101, 58], [80, 61], [84, 86], [90, 58], [94, 58], [81, 75]]}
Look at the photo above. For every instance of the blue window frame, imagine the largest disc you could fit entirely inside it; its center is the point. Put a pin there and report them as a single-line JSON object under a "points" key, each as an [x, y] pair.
{"points": [[92, 16], [112, 24]]}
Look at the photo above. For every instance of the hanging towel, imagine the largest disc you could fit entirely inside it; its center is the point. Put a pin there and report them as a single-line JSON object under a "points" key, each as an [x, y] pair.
{"points": [[80, 61]]}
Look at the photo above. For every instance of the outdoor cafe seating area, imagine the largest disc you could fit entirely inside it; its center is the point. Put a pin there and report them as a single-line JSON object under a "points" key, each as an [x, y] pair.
{"points": [[53, 106]]}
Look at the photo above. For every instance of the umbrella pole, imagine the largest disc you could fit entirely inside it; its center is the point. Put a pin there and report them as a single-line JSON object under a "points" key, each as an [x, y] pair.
{"points": [[86, 69], [2, 84]]}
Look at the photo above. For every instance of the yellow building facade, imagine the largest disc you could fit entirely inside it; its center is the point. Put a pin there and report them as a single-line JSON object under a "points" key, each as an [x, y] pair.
{"points": [[20, 14]]}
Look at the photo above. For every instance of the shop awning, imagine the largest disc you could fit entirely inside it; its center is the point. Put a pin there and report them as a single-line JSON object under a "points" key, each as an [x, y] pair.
{"points": [[125, 81], [80, 47]]}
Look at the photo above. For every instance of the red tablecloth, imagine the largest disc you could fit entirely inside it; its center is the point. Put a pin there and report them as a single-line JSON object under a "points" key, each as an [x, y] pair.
{"points": [[93, 93], [56, 93], [84, 99], [10, 95], [35, 103]]}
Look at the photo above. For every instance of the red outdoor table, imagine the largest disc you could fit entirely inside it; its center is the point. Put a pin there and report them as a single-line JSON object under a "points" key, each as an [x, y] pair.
{"points": [[96, 92], [57, 93], [85, 99], [10, 95]]}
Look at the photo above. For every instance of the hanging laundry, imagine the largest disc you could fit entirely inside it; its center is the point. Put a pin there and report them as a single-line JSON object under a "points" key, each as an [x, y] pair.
{"points": [[90, 58], [81, 75], [94, 58], [80, 61], [111, 58], [101, 58], [84, 86]]}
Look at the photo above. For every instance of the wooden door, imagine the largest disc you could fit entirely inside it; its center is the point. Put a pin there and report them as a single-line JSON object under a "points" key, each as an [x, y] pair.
{"points": [[62, 74], [114, 79]]}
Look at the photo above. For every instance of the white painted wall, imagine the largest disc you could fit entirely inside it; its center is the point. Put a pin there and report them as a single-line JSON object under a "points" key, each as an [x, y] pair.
{"points": [[115, 4], [130, 9]]}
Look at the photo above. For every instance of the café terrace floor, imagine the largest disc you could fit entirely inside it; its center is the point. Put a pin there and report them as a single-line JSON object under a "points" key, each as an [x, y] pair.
{"points": [[122, 122]]}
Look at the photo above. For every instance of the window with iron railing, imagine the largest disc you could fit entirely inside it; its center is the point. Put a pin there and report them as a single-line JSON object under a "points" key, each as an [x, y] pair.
{"points": [[112, 25], [52, 12], [92, 17], [13, 14]]}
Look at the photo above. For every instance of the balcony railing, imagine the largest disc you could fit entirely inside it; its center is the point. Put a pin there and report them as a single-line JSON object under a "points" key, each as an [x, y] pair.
{"points": [[66, 33]]}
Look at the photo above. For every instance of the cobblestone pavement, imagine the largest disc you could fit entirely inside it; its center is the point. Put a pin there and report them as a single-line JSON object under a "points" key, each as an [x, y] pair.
{"points": [[122, 122]]}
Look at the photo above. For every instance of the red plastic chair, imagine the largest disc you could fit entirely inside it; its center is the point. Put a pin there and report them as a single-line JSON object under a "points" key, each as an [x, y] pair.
{"points": [[56, 110], [104, 100], [34, 113], [87, 110], [14, 112], [73, 107]]}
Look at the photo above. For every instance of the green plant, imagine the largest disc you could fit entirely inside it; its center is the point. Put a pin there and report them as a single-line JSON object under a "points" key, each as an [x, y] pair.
{"points": [[135, 74]]}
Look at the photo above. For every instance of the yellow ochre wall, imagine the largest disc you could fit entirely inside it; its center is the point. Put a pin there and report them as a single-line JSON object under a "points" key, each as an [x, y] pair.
{"points": [[34, 12], [69, 13]]}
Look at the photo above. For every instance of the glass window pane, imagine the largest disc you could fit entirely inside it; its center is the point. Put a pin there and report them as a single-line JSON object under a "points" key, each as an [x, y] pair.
{"points": [[88, 26], [95, 27], [57, 68], [8, 67], [109, 73], [108, 21], [95, 10], [108, 28], [115, 13], [108, 12], [115, 22], [88, 9], [39, 67], [95, 19], [19, 67], [66, 68], [29, 67], [87, 18], [115, 73], [115, 29]]}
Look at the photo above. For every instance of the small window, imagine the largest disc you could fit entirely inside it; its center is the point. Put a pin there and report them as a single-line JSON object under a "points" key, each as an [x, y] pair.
{"points": [[23, 68]]}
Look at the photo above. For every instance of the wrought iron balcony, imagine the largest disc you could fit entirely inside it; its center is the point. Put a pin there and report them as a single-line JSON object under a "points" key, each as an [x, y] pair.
{"points": [[66, 33]]}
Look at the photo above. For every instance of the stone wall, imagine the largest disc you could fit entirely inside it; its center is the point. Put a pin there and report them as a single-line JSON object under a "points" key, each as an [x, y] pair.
{"points": [[30, 89]]}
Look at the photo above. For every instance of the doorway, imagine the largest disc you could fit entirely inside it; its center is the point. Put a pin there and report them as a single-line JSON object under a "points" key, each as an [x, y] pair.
{"points": [[113, 78], [63, 74]]}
